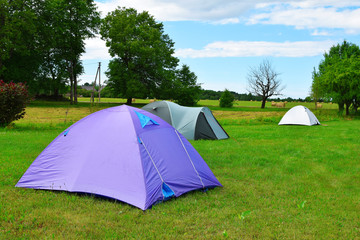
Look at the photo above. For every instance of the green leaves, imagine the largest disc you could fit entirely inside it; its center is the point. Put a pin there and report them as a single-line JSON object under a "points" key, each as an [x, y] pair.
{"points": [[338, 76], [39, 40], [301, 205], [143, 64], [226, 99], [185, 90]]}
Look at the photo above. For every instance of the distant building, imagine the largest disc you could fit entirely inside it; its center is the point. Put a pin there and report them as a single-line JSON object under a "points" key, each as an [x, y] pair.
{"points": [[90, 87]]}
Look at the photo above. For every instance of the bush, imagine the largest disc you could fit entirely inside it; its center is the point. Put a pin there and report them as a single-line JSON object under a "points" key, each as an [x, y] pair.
{"points": [[44, 97], [84, 92], [13, 100], [226, 99]]}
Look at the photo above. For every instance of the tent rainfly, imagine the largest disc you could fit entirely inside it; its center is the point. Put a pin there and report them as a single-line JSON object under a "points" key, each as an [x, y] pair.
{"points": [[123, 153], [192, 122], [299, 115]]}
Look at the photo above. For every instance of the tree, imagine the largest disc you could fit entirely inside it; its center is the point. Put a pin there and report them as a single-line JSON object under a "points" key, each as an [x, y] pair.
{"points": [[41, 41], [17, 40], [74, 21], [338, 75], [52, 75], [142, 53], [264, 81], [316, 91], [226, 99], [186, 91]]}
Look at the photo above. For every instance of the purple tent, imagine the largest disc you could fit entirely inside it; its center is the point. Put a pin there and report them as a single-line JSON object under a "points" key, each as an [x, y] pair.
{"points": [[123, 153]]}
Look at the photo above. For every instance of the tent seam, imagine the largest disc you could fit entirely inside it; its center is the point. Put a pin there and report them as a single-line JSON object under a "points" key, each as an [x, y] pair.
{"points": [[162, 180], [170, 113], [190, 159]]}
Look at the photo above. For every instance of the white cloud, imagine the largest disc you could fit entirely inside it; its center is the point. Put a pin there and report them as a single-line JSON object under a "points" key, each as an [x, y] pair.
{"points": [[95, 49], [320, 33], [171, 10], [305, 14], [227, 21], [310, 15], [256, 49]]}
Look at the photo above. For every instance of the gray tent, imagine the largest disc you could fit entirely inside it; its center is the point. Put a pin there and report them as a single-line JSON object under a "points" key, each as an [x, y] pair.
{"points": [[192, 122]]}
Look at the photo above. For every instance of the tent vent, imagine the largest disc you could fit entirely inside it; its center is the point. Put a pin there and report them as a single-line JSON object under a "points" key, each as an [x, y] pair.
{"points": [[167, 192], [145, 120]]}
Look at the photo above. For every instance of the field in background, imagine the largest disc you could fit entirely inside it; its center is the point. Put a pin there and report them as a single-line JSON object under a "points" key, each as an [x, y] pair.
{"points": [[243, 112], [215, 103], [279, 182]]}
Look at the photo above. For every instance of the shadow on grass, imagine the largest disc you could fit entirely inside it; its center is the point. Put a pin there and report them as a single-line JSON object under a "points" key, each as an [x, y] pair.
{"points": [[24, 127], [101, 198]]}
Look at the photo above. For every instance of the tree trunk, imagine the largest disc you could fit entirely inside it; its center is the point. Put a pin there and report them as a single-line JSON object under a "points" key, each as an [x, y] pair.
{"points": [[263, 103], [75, 90], [55, 80], [56, 92], [347, 108], [71, 89], [129, 101], [341, 107], [1, 70]]}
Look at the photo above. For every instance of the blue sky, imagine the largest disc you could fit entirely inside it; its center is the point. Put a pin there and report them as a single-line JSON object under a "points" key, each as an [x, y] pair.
{"points": [[221, 40]]}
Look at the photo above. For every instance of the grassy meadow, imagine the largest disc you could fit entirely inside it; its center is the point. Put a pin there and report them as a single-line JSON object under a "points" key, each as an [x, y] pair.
{"points": [[280, 182]]}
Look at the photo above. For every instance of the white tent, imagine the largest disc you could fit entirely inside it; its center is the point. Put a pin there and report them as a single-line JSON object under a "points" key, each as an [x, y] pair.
{"points": [[299, 115]]}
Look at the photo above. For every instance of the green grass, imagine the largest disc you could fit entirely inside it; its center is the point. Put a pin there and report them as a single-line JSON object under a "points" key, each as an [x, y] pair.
{"points": [[215, 103], [280, 182], [257, 104]]}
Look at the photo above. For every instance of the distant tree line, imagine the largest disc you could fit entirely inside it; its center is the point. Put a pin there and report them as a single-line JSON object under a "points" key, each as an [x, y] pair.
{"points": [[41, 43], [216, 95]]}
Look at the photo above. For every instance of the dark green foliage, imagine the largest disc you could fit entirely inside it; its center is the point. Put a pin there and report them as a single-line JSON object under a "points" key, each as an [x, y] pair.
{"points": [[107, 92], [41, 42], [13, 99], [84, 92], [210, 94], [18, 50], [186, 91], [143, 54], [338, 76], [216, 95], [226, 99], [80, 20]]}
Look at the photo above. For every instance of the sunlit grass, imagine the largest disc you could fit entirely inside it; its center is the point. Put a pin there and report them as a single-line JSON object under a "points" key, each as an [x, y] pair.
{"points": [[257, 104], [215, 103], [280, 182]]}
